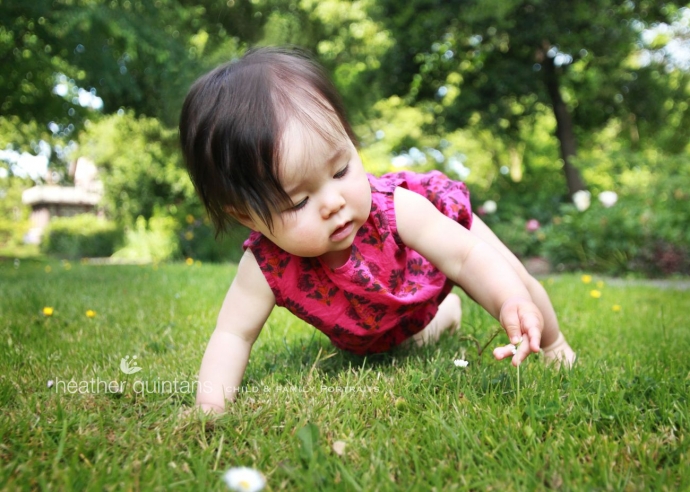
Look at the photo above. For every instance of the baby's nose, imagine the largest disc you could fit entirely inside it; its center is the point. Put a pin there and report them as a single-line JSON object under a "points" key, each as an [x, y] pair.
{"points": [[332, 204]]}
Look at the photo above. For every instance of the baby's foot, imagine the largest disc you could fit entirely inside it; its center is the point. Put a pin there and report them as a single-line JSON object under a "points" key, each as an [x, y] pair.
{"points": [[560, 353], [447, 317]]}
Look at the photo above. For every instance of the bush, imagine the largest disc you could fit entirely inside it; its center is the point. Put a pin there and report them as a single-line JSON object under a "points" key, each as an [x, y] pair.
{"points": [[645, 232], [598, 239], [198, 241], [12, 232], [81, 236], [155, 240], [521, 241], [638, 234]]}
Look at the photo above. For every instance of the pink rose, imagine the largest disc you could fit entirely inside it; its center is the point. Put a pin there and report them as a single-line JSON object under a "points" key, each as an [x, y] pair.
{"points": [[532, 225]]}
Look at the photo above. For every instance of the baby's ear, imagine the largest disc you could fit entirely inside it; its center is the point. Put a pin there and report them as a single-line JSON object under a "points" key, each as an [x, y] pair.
{"points": [[243, 218]]}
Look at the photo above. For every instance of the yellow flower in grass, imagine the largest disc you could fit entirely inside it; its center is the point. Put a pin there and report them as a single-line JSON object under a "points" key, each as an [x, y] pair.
{"points": [[189, 235], [616, 308], [586, 279], [48, 311], [595, 293], [90, 313], [190, 219], [48, 268], [189, 261]]}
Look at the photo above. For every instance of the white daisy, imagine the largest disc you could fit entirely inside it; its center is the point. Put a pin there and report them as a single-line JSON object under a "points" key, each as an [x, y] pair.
{"points": [[460, 363], [243, 479]]}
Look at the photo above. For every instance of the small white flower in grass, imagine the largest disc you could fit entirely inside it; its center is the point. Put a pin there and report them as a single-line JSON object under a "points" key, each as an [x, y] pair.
{"points": [[608, 198], [513, 348], [460, 363], [50, 383], [582, 200], [339, 447], [243, 479]]}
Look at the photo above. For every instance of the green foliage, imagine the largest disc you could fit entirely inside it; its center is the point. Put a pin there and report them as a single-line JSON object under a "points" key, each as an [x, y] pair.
{"points": [[514, 233], [197, 240], [81, 236], [598, 239], [495, 55], [136, 54], [140, 165], [153, 240], [12, 232], [633, 236], [495, 63], [14, 215], [145, 182], [466, 81], [643, 232]]}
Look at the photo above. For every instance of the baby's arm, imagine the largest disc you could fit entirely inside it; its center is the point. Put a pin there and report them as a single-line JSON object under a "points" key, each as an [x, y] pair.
{"points": [[473, 264], [247, 305]]}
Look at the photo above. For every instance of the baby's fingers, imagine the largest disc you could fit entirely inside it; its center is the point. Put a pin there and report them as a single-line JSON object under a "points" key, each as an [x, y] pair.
{"points": [[532, 326], [510, 319], [504, 351], [522, 352]]}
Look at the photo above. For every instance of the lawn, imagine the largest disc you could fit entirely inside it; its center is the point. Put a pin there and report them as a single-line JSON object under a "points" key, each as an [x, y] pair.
{"points": [[408, 420]]}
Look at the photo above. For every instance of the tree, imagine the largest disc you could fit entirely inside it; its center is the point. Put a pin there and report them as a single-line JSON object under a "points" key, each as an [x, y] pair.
{"points": [[501, 59], [134, 54]]}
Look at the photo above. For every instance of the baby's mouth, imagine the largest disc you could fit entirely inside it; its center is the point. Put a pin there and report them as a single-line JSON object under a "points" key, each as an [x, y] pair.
{"points": [[342, 232]]}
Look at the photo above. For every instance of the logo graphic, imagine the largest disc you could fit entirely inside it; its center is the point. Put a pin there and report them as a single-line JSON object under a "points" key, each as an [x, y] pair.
{"points": [[129, 367]]}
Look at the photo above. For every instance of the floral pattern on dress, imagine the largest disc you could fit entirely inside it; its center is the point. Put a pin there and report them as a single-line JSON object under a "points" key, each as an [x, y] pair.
{"points": [[385, 292]]}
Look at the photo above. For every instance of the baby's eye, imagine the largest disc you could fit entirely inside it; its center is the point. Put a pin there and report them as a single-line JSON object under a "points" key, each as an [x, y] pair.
{"points": [[342, 172], [299, 205]]}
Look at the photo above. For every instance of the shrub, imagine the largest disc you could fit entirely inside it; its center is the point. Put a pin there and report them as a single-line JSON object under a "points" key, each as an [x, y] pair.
{"points": [[81, 236], [598, 239], [521, 241], [155, 240], [638, 234], [12, 232], [198, 241]]}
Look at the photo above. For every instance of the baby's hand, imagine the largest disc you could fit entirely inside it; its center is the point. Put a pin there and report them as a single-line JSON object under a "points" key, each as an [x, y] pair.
{"points": [[522, 321]]}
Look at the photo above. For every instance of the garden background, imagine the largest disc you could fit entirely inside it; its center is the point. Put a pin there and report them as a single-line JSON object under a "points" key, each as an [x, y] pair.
{"points": [[569, 120], [527, 101]]}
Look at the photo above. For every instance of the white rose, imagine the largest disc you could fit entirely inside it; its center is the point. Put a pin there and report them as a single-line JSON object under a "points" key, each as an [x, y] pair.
{"points": [[582, 200], [608, 198], [489, 206]]}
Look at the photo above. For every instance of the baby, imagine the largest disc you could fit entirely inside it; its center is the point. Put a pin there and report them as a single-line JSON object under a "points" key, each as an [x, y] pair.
{"points": [[368, 261]]}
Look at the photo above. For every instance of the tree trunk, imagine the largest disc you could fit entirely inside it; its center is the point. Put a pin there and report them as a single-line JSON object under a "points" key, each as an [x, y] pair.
{"points": [[564, 128]]}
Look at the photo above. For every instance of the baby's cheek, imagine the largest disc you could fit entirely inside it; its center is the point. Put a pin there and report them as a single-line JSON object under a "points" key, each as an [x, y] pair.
{"points": [[309, 240]]}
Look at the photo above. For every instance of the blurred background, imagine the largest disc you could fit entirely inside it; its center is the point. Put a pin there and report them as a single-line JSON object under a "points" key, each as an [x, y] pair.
{"points": [[569, 120]]}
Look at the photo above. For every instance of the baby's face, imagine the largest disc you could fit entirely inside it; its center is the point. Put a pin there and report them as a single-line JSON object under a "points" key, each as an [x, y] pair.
{"points": [[330, 193]]}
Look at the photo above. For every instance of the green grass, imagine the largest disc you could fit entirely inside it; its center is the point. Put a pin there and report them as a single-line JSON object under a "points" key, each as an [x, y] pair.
{"points": [[413, 421]]}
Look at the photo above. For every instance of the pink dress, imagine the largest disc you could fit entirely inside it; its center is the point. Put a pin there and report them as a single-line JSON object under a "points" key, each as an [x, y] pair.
{"points": [[386, 292]]}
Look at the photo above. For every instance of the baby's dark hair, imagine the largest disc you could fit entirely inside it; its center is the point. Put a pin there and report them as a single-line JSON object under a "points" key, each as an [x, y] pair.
{"points": [[232, 123]]}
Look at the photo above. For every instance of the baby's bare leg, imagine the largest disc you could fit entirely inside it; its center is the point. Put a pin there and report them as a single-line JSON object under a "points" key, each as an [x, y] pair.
{"points": [[447, 318], [553, 342]]}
